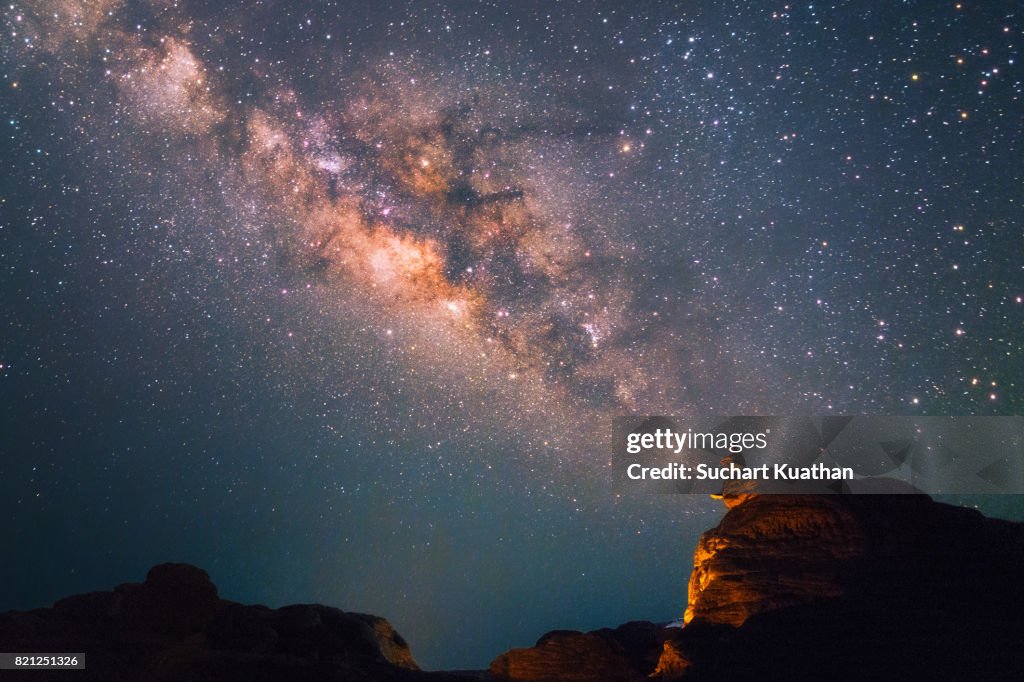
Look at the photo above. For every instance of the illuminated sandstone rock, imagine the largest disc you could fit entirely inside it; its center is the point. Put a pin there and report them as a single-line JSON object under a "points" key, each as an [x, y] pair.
{"points": [[624, 654], [770, 552]]}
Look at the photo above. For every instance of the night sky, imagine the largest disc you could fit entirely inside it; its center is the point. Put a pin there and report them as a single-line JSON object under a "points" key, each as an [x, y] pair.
{"points": [[336, 300]]}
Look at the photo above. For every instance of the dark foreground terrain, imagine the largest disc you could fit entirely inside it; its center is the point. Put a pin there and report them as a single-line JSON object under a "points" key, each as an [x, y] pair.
{"points": [[836, 587]]}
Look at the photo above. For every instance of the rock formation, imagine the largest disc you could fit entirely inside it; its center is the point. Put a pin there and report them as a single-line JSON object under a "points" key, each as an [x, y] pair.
{"points": [[839, 587], [775, 551], [771, 552], [621, 655], [173, 626], [786, 587]]}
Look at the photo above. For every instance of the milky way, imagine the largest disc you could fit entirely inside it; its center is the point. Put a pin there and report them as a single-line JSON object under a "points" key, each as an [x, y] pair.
{"points": [[362, 285], [447, 212]]}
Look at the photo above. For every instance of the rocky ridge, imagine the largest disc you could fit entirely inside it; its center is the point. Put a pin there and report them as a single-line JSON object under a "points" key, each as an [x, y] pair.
{"points": [[174, 626], [786, 587], [839, 587]]}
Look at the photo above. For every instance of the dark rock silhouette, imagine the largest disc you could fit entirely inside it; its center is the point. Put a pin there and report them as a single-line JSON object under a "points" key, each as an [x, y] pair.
{"points": [[173, 626], [786, 587], [836, 587]]}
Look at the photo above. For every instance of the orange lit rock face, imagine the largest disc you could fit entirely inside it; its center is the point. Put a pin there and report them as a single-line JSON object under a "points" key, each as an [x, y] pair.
{"points": [[565, 656], [672, 663], [627, 653], [855, 587], [770, 552], [842, 587]]}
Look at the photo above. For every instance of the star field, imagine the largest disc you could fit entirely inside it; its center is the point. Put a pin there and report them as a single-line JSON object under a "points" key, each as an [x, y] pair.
{"points": [[337, 300]]}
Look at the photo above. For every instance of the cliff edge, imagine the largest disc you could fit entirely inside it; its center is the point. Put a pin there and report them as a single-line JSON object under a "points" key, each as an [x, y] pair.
{"points": [[839, 587]]}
